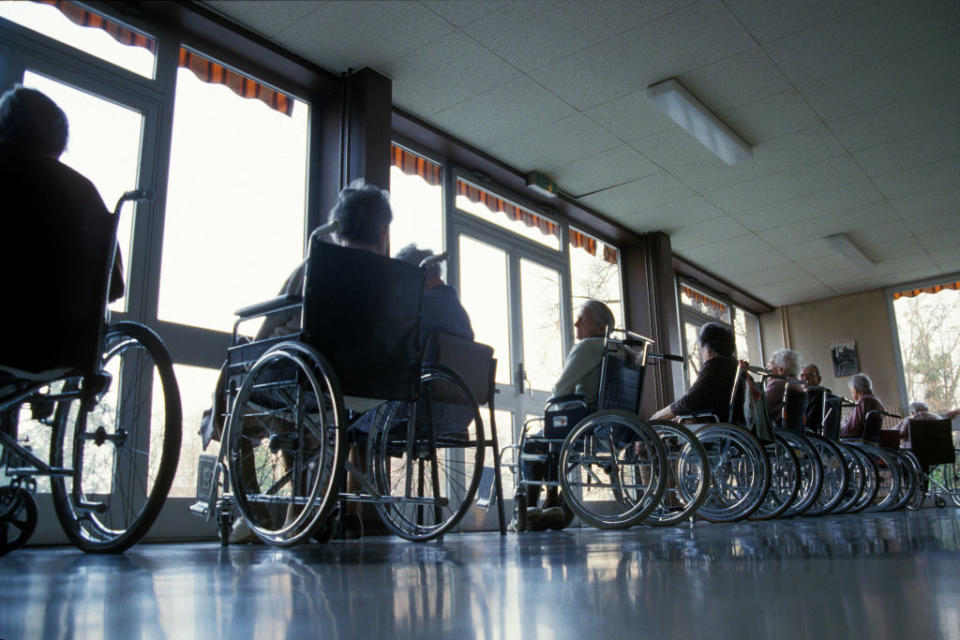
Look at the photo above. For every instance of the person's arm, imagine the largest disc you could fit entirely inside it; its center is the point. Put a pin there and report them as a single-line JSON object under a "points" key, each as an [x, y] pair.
{"points": [[850, 427], [578, 364], [698, 396], [663, 414]]}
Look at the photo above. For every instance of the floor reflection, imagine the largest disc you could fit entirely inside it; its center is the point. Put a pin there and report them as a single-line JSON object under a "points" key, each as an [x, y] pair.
{"points": [[873, 574]]}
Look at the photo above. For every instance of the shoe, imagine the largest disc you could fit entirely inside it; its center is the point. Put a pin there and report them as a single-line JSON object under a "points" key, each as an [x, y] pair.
{"points": [[241, 533], [552, 518], [535, 520]]}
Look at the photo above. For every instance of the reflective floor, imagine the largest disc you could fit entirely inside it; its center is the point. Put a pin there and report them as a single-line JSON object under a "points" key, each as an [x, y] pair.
{"points": [[867, 576]]}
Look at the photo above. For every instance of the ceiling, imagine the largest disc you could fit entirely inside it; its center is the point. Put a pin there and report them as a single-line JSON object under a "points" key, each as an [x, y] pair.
{"points": [[852, 108]]}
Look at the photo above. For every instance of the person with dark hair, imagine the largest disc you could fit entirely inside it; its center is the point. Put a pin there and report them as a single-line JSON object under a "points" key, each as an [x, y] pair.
{"points": [[441, 309], [34, 130], [712, 389]]}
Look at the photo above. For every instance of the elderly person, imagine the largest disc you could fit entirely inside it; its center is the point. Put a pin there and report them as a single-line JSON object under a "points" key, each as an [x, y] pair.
{"points": [[580, 376], [813, 416], [918, 411], [785, 365], [810, 375], [861, 388], [441, 309], [712, 389]]}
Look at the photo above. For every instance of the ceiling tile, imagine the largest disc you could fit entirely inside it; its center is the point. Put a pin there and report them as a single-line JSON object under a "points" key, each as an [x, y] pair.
{"points": [[886, 81], [936, 175], [645, 193], [742, 78], [631, 117], [772, 117], [480, 120], [341, 35], [532, 34], [565, 141], [810, 206], [711, 232], [757, 268], [771, 20], [912, 152], [266, 18], [839, 222], [934, 221], [612, 167], [688, 38], [461, 14], [673, 215], [673, 148], [910, 116], [871, 33], [946, 258], [795, 150], [786, 185], [739, 247], [445, 73], [946, 240], [809, 253], [933, 201]]}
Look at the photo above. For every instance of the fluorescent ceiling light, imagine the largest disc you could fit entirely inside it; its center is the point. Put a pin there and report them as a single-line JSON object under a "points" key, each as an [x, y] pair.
{"points": [[850, 252], [673, 99]]}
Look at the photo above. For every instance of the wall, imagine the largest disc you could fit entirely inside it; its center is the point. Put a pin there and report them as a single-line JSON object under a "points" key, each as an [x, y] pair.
{"points": [[811, 327]]}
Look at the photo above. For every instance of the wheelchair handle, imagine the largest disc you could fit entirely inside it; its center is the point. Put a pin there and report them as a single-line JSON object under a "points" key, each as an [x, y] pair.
{"points": [[666, 356], [440, 257], [134, 195], [326, 229]]}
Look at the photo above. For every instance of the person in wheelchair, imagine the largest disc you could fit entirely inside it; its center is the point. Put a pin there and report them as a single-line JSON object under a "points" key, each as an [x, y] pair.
{"points": [[441, 309], [785, 365], [918, 411], [579, 382], [861, 388], [710, 394]]}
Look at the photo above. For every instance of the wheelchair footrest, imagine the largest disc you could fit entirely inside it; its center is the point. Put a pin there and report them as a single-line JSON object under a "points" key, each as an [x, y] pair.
{"points": [[364, 497]]}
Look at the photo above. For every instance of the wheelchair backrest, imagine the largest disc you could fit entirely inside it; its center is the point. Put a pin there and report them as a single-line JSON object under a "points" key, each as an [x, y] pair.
{"points": [[932, 441], [872, 424], [813, 416], [621, 379], [832, 415], [794, 408], [471, 360], [361, 311], [56, 254]]}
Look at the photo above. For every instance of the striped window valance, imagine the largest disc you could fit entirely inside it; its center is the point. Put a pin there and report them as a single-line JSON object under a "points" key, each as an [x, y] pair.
{"points": [[85, 18], [245, 87], [415, 165], [698, 298], [589, 244], [912, 293], [513, 212]]}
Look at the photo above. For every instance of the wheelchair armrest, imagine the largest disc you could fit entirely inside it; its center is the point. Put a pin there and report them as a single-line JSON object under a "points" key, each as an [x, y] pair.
{"points": [[698, 416], [570, 397], [269, 306]]}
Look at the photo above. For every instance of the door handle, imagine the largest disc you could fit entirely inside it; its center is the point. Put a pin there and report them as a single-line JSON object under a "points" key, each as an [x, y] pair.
{"points": [[519, 376]]}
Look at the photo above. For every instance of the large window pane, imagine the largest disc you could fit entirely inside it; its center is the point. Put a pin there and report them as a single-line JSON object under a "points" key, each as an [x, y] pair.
{"points": [[746, 328], [196, 395], [104, 146], [542, 345], [595, 274], [483, 284], [417, 212], [234, 220], [51, 22]]}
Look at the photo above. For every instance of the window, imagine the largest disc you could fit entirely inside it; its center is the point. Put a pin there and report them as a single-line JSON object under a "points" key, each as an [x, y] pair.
{"points": [[501, 212], [928, 328], [67, 22], [595, 273], [234, 225], [416, 197]]}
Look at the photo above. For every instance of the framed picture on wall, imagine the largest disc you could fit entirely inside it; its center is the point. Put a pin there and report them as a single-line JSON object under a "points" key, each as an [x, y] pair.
{"points": [[846, 362]]}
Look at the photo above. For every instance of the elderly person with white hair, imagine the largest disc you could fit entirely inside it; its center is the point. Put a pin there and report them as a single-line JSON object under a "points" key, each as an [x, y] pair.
{"points": [[784, 363], [918, 411], [861, 387]]}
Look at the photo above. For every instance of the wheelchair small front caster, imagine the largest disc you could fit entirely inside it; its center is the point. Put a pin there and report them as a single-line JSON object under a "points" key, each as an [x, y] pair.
{"points": [[940, 502], [18, 518], [224, 521], [520, 511]]}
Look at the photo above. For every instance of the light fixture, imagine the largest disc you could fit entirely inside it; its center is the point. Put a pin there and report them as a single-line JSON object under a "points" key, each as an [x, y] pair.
{"points": [[850, 252], [673, 99]]}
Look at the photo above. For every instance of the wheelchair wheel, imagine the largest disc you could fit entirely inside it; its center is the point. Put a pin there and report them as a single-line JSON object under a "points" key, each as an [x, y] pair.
{"points": [[909, 480], [888, 477], [688, 475], [739, 472], [426, 458], [856, 478], [285, 445], [919, 494], [835, 476], [784, 480], [811, 473], [871, 483], [122, 439], [18, 518], [951, 478], [613, 470]]}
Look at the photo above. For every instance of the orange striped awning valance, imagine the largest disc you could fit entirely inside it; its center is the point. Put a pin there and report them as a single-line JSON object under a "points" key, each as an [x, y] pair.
{"points": [[704, 299], [579, 240], [416, 165], [912, 293], [492, 202], [245, 87], [85, 18]]}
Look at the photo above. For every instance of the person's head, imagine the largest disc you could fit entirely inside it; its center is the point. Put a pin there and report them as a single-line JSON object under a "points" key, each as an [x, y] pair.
{"points": [[810, 375], [594, 320], [785, 362], [716, 340], [919, 407], [860, 385], [415, 256], [31, 120], [364, 213]]}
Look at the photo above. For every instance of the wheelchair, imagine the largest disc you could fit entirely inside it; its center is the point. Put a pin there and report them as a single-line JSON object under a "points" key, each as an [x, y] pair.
{"points": [[934, 459], [894, 481], [107, 391], [352, 376], [609, 467]]}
